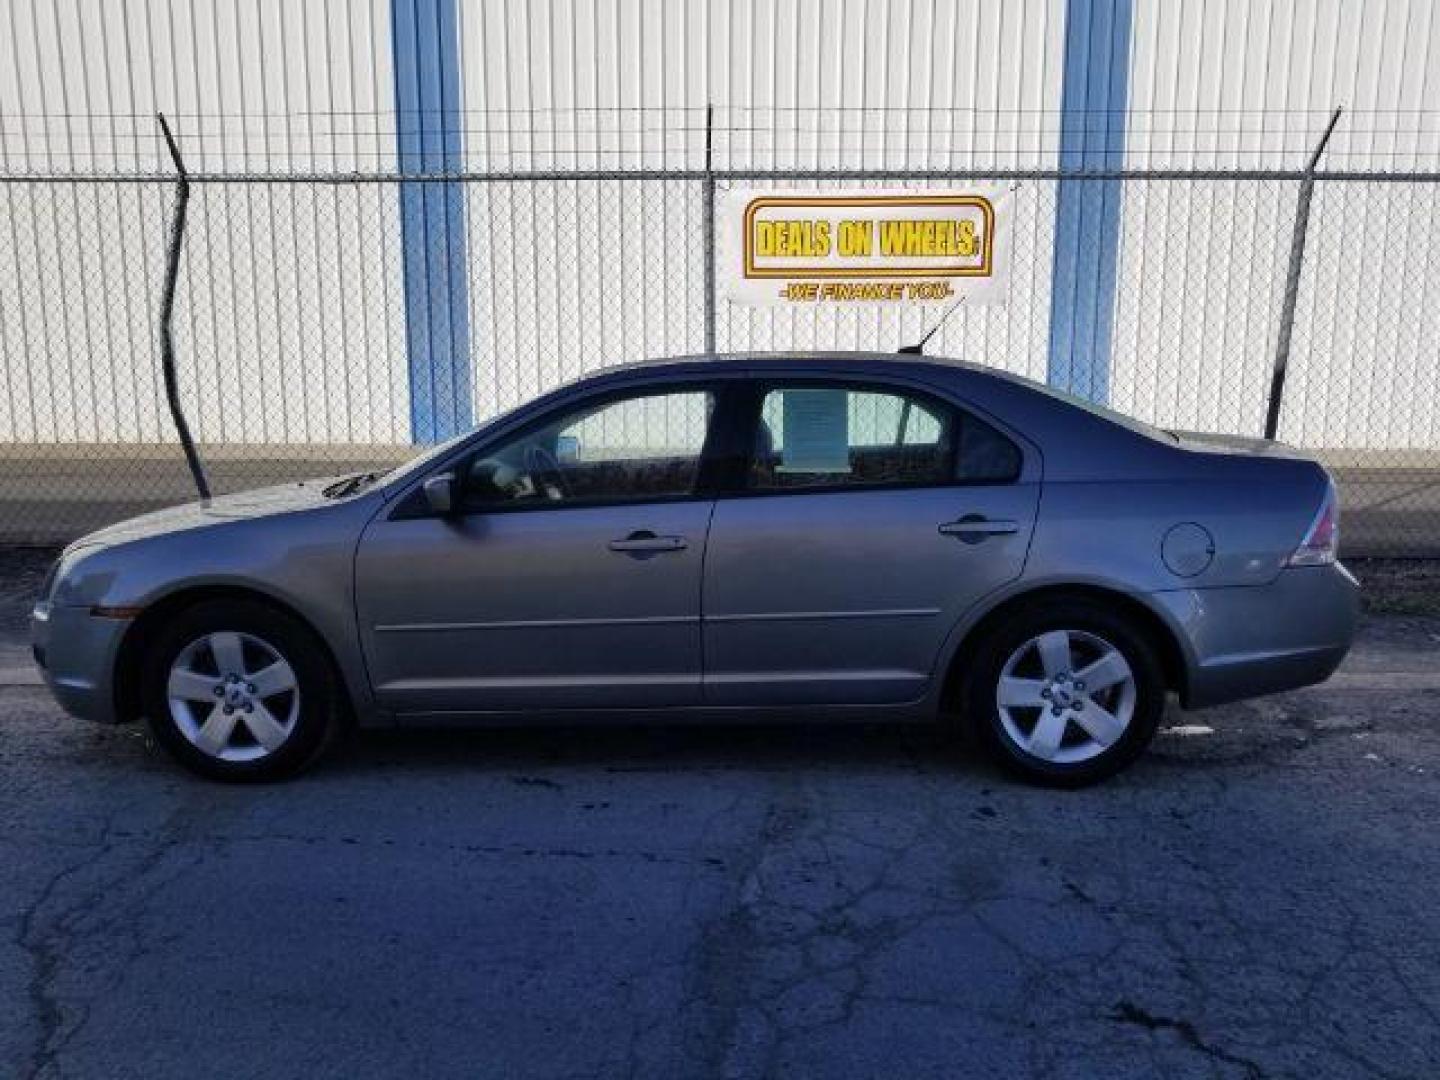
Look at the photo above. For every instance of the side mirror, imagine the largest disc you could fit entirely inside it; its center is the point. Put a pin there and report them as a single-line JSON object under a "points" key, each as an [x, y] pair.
{"points": [[440, 493]]}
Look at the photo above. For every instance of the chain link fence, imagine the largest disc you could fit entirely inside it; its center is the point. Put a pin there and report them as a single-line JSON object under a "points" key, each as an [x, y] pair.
{"points": [[294, 332]]}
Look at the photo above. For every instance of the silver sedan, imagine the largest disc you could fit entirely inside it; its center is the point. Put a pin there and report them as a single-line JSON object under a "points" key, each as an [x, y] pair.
{"points": [[841, 537]]}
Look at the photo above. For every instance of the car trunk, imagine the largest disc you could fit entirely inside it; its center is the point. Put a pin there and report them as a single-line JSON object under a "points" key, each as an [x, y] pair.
{"points": [[1216, 443]]}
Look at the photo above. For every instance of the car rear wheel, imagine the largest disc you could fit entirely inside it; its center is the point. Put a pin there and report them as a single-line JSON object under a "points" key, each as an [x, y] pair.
{"points": [[237, 690], [1066, 693]]}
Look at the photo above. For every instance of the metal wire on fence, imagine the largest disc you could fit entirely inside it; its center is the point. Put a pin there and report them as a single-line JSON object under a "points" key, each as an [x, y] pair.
{"points": [[296, 336]]}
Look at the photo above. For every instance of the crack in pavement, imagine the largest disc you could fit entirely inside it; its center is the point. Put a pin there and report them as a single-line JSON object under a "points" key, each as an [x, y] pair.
{"points": [[1252, 903], [1126, 1012], [50, 937]]}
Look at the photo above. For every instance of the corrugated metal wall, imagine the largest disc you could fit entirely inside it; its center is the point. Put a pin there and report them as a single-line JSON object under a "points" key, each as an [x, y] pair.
{"points": [[1252, 84], [251, 85], [294, 307], [813, 83], [916, 84], [307, 85], [818, 84], [282, 314]]}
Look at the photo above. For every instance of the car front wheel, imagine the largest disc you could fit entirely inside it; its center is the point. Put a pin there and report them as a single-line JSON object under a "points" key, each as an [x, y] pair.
{"points": [[238, 690], [1066, 693]]}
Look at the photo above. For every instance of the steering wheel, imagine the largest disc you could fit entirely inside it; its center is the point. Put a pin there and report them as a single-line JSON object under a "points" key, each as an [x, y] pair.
{"points": [[544, 468]]}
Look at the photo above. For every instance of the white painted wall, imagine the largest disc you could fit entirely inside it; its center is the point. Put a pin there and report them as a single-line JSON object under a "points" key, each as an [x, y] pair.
{"points": [[289, 318], [812, 84], [291, 307], [809, 83], [1252, 84]]}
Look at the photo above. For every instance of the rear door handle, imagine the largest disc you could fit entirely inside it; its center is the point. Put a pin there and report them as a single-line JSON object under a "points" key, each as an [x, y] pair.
{"points": [[647, 543], [972, 528]]}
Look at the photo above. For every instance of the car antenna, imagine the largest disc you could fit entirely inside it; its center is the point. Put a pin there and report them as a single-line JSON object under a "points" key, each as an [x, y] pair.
{"points": [[918, 349]]}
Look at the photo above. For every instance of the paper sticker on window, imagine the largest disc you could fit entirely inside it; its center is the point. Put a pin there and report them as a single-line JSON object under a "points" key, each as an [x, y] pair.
{"points": [[816, 431]]}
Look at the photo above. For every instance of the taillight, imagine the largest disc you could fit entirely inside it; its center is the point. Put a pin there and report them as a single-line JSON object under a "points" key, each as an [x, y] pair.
{"points": [[1322, 540]]}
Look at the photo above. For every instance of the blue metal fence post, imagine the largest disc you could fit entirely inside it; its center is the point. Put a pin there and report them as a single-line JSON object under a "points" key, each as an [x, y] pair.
{"points": [[1094, 99], [432, 218]]}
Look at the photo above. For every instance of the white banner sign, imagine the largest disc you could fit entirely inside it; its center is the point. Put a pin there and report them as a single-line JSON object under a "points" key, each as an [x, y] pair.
{"points": [[864, 246]]}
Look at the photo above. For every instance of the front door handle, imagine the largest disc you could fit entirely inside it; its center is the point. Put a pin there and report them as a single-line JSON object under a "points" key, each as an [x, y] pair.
{"points": [[972, 528], [645, 542]]}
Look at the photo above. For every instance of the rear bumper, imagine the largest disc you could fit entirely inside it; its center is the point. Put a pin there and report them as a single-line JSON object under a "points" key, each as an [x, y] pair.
{"points": [[1259, 639], [76, 653]]}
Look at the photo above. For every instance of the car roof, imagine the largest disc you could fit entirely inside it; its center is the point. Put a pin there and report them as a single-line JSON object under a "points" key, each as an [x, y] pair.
{"points": [[761, 360], [927, 368]]}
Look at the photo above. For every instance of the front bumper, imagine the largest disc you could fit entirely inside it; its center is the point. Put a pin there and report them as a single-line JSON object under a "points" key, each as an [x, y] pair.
{"points": [[1259, 639], [76, 652]]}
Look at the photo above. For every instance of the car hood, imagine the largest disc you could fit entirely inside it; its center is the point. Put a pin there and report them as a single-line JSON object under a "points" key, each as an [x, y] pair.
{"points": [[242, 506]]}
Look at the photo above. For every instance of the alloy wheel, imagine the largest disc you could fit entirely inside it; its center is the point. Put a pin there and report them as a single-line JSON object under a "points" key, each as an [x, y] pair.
{"points": [[1066, 696], [233, 696]]}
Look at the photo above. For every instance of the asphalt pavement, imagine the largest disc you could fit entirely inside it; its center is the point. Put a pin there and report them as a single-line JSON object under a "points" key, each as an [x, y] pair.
{"points": [[1256, 898]]}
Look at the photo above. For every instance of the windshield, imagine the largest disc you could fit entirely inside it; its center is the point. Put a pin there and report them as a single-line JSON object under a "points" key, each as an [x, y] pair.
{"points": [[423, 460]]}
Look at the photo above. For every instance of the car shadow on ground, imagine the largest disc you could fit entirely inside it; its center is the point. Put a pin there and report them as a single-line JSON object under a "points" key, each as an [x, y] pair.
{"points": [[1253, 734], [759, 748]]}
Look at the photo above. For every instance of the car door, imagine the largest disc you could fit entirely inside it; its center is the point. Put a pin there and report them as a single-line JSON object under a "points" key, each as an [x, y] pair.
{"points": [[569, 577], [869, 518]]}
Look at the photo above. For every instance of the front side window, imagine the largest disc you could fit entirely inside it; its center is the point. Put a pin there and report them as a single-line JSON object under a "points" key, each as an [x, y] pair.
{"points": [[628, 449]]}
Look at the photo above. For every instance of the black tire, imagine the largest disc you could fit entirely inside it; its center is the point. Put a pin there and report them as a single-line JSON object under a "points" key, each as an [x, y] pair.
{"points": [[318, 714], [981, 684]]}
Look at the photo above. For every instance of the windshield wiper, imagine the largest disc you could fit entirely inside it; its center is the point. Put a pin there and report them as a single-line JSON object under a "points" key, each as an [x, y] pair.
{"points": [[350, 485]]}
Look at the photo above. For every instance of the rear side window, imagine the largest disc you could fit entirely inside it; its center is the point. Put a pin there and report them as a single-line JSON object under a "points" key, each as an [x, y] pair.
{"points": [[837, 437], [985, 456], [818, 436]]}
